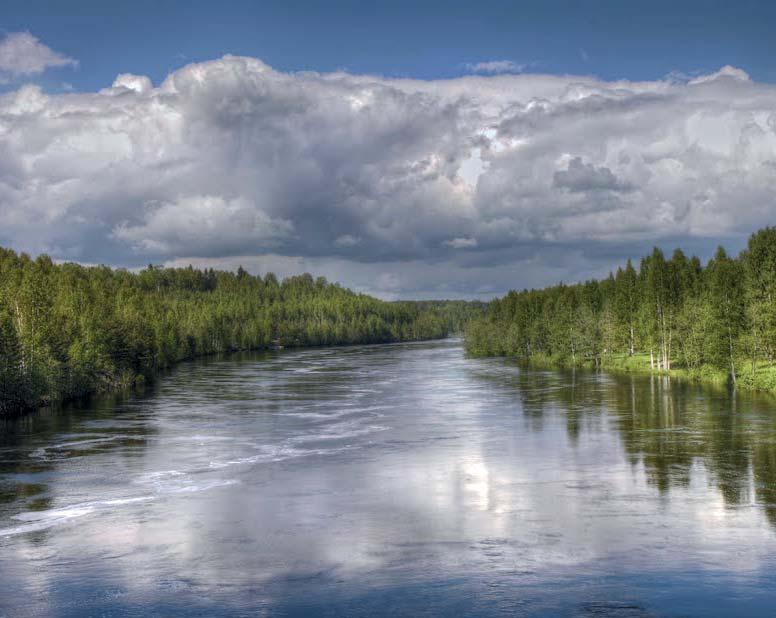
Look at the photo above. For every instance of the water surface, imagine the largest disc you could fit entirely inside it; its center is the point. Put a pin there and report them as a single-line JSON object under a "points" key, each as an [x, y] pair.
{"points": [[392, 480]]}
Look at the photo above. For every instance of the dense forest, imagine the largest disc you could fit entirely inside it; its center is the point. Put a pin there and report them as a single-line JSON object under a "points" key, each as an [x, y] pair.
{"points": [[674, 315], [68, 330], [456, 314]]}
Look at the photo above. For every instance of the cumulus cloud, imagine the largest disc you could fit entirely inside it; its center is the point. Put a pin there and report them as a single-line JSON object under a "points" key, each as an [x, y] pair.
{"points": [[579, 177], [204, 225], [493, 67], [726, 71], [23, 54], [126, 82], [564, 176]]}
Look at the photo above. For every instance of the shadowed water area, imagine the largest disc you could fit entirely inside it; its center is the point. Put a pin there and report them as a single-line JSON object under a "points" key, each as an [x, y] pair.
{"points": [[384, 480]]}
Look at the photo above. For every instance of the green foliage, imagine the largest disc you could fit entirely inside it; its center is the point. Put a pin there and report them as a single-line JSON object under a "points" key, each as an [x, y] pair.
{"points": [[715, 323], [455, 313], [67, 330]]}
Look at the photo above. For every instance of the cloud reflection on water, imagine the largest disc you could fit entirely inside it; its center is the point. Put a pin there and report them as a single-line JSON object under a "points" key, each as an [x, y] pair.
{"points": [[482, 476]]}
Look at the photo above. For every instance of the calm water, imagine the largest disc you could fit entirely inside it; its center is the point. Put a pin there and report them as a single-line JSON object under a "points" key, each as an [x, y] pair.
{"points": [[392, 480]]}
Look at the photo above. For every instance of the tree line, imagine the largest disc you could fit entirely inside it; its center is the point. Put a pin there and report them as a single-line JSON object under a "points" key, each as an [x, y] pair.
{"points": [[455, 313], [68, 330], [671, 314]]}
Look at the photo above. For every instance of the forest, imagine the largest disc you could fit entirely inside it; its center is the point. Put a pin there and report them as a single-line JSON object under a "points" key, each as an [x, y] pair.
{"points": [[67, 330], [670, 315]]}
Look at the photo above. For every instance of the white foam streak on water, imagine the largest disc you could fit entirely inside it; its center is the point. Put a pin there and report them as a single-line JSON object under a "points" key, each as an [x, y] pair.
{"points": [[277, 455], [347, 431], [152, 477], [42, 452], [204, 438], [175, 481], [373, 411], [194, 487], [42, 520]]}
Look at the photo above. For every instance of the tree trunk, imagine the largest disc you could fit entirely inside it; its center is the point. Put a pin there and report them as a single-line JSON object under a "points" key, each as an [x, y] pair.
{"points": [[732, 363]]}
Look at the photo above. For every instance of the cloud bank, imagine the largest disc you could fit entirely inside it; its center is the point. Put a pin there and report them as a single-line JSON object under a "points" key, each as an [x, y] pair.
{"points": [[399, 187]]}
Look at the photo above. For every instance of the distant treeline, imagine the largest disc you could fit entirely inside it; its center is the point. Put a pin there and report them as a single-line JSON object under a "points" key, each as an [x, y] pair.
{"points": [[456, 314], [673, 314], [68, 330]]}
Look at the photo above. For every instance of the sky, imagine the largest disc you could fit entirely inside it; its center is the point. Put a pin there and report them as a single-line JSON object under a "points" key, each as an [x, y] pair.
{"points": [[407, 150]]}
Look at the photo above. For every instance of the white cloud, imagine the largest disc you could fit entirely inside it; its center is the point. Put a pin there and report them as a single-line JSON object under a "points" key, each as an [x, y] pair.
{"points": [[22, 54], [726, 71], [128, 82], [204, 225], [563, 175], [346, 240], [495, 66], [461, 243]]}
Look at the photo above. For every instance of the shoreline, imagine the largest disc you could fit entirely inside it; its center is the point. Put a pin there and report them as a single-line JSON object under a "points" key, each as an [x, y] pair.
{"points": [[764, 380], [129, 384]]}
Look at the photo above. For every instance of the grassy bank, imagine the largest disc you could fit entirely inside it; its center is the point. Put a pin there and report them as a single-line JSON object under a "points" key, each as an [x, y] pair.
{"points": [[716, 322], [761, 378]]}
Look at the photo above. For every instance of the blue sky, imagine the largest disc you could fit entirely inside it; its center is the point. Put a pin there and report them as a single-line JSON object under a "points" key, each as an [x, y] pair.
{"points": [[405, 149], [612, 40]]}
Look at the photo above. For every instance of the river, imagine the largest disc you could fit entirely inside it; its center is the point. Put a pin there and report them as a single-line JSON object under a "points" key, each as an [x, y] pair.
{"points": [[392, 480]]}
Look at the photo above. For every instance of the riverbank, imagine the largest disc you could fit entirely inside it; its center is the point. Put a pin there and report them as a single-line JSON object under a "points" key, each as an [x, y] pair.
{"points": [[68, 330], [127, 383], [763, 378]]}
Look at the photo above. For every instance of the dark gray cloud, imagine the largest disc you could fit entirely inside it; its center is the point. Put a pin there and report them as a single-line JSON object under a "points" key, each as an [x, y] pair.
{"points": [[450, 187]]}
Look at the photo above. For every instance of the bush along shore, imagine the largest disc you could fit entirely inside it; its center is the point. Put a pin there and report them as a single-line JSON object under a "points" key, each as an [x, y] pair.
{"points": [[674, 316], [68, 330]]}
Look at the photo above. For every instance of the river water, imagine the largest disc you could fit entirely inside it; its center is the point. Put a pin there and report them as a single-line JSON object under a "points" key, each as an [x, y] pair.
{"points": [[392, 480]]}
